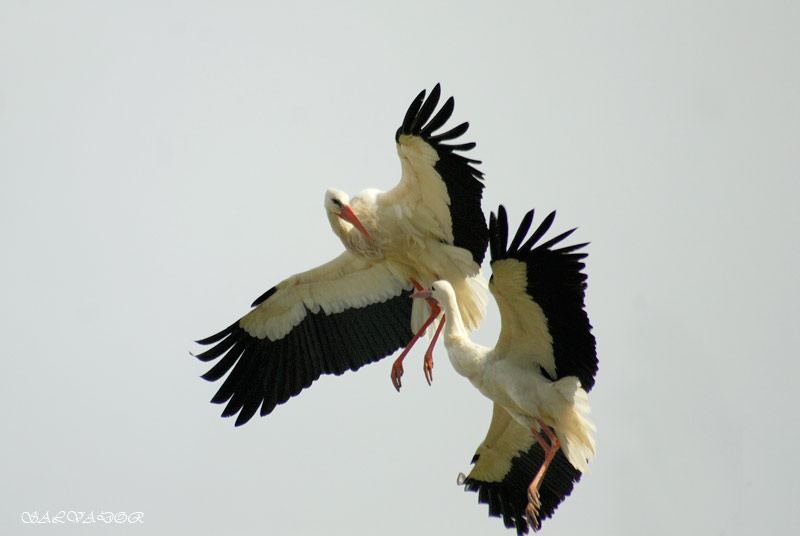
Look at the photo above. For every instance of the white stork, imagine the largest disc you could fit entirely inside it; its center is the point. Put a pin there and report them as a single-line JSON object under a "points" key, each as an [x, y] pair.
{"points": [[356, 308], [537, 375]]}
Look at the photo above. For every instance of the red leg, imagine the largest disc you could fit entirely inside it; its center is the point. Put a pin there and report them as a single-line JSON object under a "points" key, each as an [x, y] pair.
{"points": [[532, 510], [397, 367], [427, 365], [547, 431], [542, 441]]}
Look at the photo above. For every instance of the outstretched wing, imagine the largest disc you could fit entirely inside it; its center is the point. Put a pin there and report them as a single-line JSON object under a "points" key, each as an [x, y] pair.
{"points": [[440, 191], [540, 294], [506, 462], [337, 317]]}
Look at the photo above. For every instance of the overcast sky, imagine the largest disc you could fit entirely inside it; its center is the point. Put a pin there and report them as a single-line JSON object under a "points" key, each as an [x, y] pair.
{"points": [[164, 163]]}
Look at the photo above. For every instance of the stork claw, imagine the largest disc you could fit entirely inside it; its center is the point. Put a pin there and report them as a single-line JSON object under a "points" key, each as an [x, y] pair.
{"points": [[427, 367], [397, 373], [532, 510]]}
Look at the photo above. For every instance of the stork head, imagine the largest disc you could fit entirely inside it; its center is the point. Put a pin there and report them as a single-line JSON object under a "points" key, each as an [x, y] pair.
{"points": [[337, 205], [444, 295], [423, 294], [439, 292], [335, 200]]}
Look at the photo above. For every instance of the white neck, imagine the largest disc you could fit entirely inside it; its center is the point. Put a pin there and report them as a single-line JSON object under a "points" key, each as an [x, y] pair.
{"points": [[349, 235], [353, 240], [465, 355], [339, 226]]}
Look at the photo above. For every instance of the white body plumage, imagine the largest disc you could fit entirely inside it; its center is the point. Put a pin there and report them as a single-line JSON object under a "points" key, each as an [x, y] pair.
{"points": [[520, 389]]}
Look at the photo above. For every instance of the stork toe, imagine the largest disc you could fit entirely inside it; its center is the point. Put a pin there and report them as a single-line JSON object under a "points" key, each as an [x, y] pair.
{"points": [[427, 367], [532, 515], [397, 373]]}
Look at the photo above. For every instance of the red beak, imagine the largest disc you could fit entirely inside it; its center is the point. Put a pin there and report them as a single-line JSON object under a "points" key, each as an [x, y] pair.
{"points": [[422, 294], [348, 215]]}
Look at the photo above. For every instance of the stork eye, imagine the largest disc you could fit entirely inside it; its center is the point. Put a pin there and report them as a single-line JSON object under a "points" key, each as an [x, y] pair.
{"points": [[337, 203]]}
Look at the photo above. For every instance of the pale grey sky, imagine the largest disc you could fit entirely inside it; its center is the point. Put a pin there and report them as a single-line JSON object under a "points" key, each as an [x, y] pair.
{"points": [[164, 163]]}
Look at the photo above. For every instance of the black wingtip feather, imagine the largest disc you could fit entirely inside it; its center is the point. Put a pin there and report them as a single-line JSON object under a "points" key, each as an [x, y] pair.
{"points": [[219, 336], [539, 232], [451, 134], [411, 114], [498, 233], [216, 351], [440, 119], [553, 241], [493, 245], [524, 227], [264, 297], [570, 249], [427, 108], [220, 397], [462, 147], [502, 228], [223, 365]]}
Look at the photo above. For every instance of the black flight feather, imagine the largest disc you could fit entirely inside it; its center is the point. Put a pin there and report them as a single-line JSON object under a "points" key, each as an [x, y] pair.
{"points": [[441, 118], [266, 373], [524, 227], [463, 182], [508, 498], [557, 283]]}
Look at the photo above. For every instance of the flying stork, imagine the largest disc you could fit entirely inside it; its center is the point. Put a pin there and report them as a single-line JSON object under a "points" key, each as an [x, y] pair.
{"points": [[356, 309], [540, 439]]}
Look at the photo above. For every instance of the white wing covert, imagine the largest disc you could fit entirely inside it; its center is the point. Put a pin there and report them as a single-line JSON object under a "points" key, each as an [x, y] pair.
{"points": [[540, 293], [440, 191]]}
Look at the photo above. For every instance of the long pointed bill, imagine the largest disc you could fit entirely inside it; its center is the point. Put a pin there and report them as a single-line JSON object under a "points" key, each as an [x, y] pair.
{"points": [[348, 215], [422, 294]]}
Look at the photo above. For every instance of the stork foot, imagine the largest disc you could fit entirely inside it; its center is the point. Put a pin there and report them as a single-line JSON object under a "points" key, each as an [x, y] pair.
{"points": [[397, 373], [532, 510], [427, 367]]}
